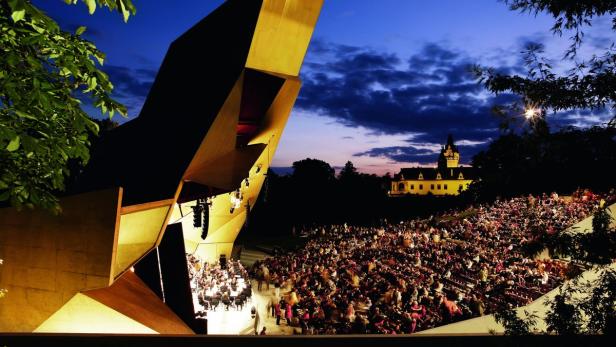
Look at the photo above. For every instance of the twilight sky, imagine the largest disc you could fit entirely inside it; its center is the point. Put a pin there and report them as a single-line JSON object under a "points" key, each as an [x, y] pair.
{"points": [[384, 81]]}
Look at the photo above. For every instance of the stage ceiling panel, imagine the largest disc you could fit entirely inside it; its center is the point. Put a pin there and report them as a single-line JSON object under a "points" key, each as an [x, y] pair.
{"points": [[228, 171]]}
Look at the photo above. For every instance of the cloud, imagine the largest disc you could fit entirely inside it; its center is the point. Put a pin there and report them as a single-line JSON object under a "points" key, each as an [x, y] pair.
{"points": [[423, 153], [282, 170], [580, 118], [431, 93], [406, 154], [130, 82], [131, 85]]}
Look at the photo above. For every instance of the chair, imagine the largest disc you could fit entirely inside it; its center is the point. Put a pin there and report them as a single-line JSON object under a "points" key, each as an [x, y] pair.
{"points": [[215, 303], [206, 305], [239, 303]]}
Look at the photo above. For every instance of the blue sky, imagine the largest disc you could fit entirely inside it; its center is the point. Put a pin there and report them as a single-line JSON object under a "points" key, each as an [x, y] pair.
{"points": [[384, 81]]}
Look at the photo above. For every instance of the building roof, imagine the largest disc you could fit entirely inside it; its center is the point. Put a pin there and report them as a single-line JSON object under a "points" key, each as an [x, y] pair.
{"points": [[431, 173]]}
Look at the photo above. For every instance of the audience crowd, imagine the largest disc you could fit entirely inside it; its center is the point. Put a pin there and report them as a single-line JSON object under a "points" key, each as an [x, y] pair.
{"points": [[418, 274]]}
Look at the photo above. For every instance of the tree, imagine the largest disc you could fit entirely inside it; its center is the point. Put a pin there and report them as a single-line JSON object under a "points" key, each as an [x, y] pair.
{"points": [[580, 307], [589, 84], [313, 171], [348, 172], [561, 161], [45, 73]]}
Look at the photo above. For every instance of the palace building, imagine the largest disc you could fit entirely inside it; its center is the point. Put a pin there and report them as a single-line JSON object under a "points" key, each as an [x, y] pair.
{"points": [[448, 178]]}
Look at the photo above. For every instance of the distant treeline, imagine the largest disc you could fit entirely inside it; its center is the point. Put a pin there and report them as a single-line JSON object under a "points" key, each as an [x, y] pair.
{"points": [[514, 164], [535, 163]]}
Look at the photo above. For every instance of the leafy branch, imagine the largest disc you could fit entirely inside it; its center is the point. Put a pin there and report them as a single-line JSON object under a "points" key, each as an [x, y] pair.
{"points": [[45, 73]]}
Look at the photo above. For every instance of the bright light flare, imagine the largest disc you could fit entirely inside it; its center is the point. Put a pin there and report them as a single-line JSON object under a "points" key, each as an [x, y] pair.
{"points": [[531, 112]]}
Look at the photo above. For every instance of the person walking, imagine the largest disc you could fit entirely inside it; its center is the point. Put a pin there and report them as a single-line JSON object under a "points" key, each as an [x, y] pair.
{"points": [[259, 279], [277, 287], [257, 321], [266, 277], [278, 312], [289, 314], [272, 305]]}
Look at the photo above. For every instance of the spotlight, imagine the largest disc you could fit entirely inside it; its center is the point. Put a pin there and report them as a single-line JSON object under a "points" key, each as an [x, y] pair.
{"points": [[236, 200]]}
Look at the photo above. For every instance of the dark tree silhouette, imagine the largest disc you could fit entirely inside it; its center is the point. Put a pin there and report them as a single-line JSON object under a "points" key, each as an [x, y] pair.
{"points": [[580, 307], [563, 161], [589, 84]]}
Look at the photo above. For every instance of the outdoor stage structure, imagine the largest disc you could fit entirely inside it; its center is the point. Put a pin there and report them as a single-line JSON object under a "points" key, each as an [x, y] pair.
{"points": [[114, 260]]}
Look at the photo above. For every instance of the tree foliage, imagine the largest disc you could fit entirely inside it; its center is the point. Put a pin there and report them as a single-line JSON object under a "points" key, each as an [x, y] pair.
{"points": [[514, 325], [519, 164], [45, 73], [580, 307], [589, 84]]}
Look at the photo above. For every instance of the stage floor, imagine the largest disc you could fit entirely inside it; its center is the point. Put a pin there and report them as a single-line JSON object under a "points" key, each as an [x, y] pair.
{"points": [[239, 322]]}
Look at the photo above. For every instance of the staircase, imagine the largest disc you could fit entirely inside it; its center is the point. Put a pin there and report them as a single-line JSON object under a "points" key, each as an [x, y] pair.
{"points": [[250, 256]]}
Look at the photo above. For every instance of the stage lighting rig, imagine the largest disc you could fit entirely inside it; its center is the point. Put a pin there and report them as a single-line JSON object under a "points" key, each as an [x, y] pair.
{"points": [[197, 209]]}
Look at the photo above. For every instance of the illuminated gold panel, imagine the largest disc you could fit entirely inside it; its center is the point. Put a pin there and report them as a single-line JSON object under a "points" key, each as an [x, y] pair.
{"points": [[224, 226], [86, 315], [48, 259], [210, 252], [139, 232], [282, 35], [227, 231], [228, 171], [131, 297]]}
